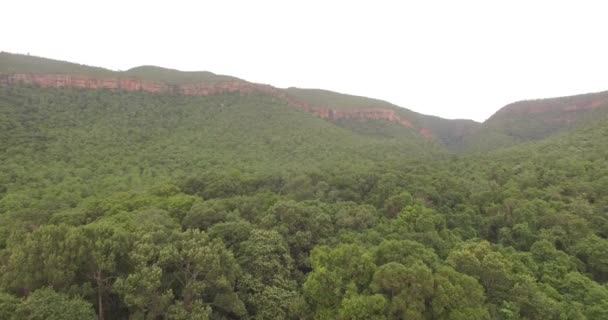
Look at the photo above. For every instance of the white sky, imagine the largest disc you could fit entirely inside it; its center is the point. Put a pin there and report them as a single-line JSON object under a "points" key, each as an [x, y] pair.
{"points": [[454, 59]]}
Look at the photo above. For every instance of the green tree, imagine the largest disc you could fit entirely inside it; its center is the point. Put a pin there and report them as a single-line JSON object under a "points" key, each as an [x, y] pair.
{"points": [[490, 268], [394, 204], [143, 290], [593, 250], [302, 225], [408, 288], [577, 287], [265, 256], [363, 307], [41, 258], [197, 311], [205, 271], [334, 271], [457, 297], [46, 304], [267, 286], [204, 214], [405, 252], [8, 306], [103, 256], [355, 217]]}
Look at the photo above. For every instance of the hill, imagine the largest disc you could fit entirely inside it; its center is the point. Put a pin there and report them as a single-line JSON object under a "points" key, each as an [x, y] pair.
{"points": [[158, 194], [444, 131], [16, 63], [515, 123], [332, 106], [169, 135], [536, 119]]}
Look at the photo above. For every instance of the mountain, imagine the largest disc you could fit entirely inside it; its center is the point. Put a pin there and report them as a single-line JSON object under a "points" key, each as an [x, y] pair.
{"points": [[152, 128], [434, 128], [160, 194], [515, 123], [328, 105], [536, 119], [26, 64]]}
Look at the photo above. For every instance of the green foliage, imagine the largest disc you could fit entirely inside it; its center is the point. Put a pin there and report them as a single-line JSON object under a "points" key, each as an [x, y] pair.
{"points": [[363, 307], [46, 304], [237, 206], [17, 63], [8, 306], [42, 258], [534, 120]]}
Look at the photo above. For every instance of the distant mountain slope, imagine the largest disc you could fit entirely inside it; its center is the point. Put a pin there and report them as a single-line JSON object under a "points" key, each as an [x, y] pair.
{"points": [[360, 114], [336, 100], [144, 136], [536, 119], [515, 123], [145, 131], [539, 118], [151, 196], [175, 76], [434, 128], [17, 63], [450, 132]]}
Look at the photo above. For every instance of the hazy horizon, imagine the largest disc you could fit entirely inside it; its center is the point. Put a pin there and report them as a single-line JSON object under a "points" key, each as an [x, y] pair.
{"points": [[460, 60]]}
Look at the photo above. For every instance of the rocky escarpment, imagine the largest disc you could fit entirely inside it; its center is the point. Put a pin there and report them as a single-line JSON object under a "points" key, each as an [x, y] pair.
{"points": [[204, 89]]}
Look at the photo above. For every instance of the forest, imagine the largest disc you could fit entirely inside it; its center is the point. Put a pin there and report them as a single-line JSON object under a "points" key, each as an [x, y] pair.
{"points": [[131, 205]]}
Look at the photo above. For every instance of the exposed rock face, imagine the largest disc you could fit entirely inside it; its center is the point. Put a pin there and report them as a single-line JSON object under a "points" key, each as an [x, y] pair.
{"points": [[203, 89], [367, 113], [427, 133], [61, 81]]}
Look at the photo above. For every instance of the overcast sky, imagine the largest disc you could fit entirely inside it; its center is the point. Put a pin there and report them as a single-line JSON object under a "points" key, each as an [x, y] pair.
{"points": [[454, 59]]}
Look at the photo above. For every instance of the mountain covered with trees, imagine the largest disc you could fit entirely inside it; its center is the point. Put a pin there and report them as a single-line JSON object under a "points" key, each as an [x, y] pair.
{"points": [[159, 194]]}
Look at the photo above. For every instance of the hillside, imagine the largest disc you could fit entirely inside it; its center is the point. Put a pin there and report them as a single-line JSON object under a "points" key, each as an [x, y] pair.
{"points": [[17, 63], [515, 123], [160, 194], [340, 108], [443, 131], [536, 119], [168, 135]]}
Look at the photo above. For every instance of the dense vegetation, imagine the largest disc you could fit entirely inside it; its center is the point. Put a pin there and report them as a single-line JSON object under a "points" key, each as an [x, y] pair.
{"points": [[17, 63], [452, 134], [534, 120], [127, 205]]}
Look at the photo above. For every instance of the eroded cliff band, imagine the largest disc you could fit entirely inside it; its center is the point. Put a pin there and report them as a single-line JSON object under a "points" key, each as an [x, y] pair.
{"points": [[204, 89]]}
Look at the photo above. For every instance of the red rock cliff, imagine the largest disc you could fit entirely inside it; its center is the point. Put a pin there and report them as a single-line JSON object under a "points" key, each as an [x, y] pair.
{"points": [[203, 89]]}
